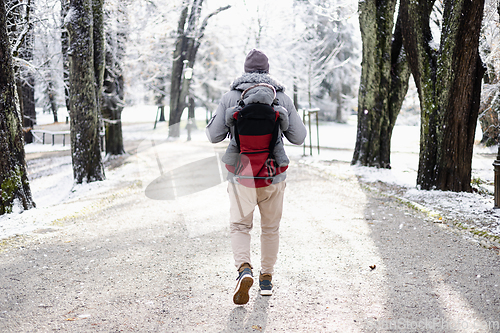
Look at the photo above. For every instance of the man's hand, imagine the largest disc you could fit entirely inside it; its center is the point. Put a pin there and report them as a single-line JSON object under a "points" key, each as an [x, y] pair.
{"points": [[284, 121]]}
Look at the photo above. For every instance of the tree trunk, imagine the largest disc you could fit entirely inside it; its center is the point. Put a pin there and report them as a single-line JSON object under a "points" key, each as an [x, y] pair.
{"points": [[84, 112], [99, 40], [191, 113], [295, 94], [160, 92], [27, 78], [14, 185], [112, 106], [337, 96], [449, 85], [488, 116], [489, 110], [176, 78], [384, 83], [113, 94], [51, 94], [29, 112], [21, 36], [186, 47], [64, 51]]}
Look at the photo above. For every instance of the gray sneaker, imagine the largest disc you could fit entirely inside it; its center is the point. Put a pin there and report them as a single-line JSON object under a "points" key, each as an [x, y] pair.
{"points": [[266, 286], [245, 282]]}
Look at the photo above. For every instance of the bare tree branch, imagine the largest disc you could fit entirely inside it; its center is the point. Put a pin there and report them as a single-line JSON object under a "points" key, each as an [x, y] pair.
{"points": [[205, 21]]}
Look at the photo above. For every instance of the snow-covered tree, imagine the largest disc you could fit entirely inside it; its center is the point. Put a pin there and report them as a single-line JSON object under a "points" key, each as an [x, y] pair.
{"points": [[47, 60], [149, 46], [14, 186], [190, 31], [448, 75], [384, 82], [490, 54], [338, 49], [20, 27], [82, 21], [113, 94]]}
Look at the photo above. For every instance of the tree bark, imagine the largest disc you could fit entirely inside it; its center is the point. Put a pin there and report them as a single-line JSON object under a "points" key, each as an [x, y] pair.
{"points": [[488, 116], [14, 185], [112, 106], [26, 77], [449, 85], [113, 94], [186, 47], [51, 94], [384, 82], [84, 111], [64, 51], [99, 40], [22, 39], [176, 104], [28, 112]]}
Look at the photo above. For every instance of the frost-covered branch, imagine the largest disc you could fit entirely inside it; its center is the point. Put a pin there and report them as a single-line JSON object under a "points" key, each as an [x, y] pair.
{"points": [[26, 29], [205, 21]]}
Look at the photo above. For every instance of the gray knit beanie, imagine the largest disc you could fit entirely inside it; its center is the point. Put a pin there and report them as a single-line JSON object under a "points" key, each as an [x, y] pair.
{"points": [[256, 61]]}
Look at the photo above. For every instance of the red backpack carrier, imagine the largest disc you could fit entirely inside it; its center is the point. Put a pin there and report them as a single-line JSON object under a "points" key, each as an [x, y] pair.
{"points": [[256, 131]]}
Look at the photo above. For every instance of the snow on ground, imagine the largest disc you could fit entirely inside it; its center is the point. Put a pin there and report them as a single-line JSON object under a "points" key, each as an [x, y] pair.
{"points": [[473, 211], [56, 196]]}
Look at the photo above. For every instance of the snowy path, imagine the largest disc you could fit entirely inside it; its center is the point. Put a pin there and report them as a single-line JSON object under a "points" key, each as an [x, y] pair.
{"points": [[129, 263]]}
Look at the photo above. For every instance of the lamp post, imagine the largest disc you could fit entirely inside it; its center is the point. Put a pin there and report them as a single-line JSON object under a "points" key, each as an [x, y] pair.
{"points": [[188, 75]]}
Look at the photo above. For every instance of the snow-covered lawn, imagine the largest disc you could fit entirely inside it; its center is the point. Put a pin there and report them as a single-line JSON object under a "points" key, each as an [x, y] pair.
{"points": [[56, 196]]}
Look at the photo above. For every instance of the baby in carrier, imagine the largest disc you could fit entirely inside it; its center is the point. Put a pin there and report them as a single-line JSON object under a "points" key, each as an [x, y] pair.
{"points": [[261, 93]]}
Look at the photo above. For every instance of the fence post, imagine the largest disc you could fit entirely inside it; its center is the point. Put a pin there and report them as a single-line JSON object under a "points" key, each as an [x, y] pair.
{"points": [[304, 121], [496, 165], [309, 112]]}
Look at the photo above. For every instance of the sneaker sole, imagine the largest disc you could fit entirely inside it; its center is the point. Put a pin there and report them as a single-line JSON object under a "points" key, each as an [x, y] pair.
{"points": [[241, 295], [266, 292]]}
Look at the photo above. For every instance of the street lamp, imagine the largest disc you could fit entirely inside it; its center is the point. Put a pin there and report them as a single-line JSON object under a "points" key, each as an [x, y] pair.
{"points": [[188, 75]]}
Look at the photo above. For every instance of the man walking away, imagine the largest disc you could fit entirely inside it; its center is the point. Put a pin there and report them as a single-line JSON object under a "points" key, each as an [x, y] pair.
{"points": [[265, 192]]}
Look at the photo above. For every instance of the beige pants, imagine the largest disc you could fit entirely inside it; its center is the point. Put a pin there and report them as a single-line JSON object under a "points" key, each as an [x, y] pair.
{"points": [[242, 205]]}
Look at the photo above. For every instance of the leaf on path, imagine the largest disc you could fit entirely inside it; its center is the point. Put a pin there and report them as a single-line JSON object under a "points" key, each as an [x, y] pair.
{"points": [[373, 267], [257, 327]]}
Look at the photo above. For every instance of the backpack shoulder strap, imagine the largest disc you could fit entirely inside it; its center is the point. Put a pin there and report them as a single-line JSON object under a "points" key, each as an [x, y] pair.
{"points": [[236, 134], [274, 137]]}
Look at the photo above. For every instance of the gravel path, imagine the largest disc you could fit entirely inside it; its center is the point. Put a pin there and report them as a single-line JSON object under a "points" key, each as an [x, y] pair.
{"points": [[351, 260]]}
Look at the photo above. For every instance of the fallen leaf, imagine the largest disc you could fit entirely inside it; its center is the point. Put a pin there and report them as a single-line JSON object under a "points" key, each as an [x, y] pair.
{"points": [[373, 267], [257, 327]]}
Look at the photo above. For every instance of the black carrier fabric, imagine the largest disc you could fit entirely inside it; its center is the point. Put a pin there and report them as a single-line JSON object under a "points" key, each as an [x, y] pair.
{"points": [[256, 133]]}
